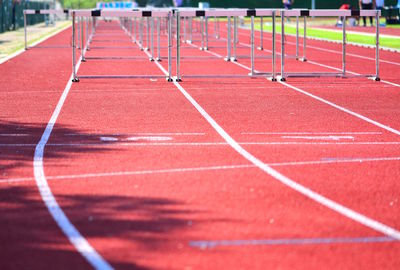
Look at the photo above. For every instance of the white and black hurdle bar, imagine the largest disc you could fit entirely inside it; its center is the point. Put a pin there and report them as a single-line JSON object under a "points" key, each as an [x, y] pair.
{"points": [[119, 14], [42, 12], [327, 13]]}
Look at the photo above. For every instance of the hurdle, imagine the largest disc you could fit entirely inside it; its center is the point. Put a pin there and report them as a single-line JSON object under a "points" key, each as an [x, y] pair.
{"points": [[141, 25], [42, 12], [231, 43], [326, 13], [125, 17]]}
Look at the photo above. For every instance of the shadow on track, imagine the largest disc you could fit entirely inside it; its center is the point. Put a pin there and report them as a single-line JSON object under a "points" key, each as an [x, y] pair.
{"points": [[29, 237], [18, 142], [31, 240]]}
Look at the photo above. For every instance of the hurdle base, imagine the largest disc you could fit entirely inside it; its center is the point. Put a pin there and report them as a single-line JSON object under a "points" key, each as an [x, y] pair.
{"points": [[233, 59], [158, 59], [168, 79], [151, 59], [227, 59], [303, 59], [75, 79], [260, 48]]}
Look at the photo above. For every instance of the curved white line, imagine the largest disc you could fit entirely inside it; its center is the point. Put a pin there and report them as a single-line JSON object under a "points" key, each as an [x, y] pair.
{"points": [[343, 210], [73, 235]]}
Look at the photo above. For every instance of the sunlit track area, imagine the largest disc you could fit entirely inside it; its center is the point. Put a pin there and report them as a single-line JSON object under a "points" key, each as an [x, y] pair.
{"points": [[200, 138]]}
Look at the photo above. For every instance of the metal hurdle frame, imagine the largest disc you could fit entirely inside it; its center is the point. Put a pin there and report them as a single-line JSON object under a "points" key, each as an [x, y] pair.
{"points": [[43, 12], [231, 52], [142, 14], [326, 13], [173, 19]]}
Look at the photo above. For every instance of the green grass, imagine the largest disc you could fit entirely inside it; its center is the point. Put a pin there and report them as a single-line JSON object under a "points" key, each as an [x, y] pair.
{"points": [[388, 42], [18, 43]]}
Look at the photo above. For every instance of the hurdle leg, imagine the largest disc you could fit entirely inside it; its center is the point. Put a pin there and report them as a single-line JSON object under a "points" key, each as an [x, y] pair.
{"points": [[202, 33], [152, 39], [304, 59], [377, 47], [75, 78], [261, 34], [206, 26], [273, 47], [82, 41], [235, 38], [297, 37], [178, 50], [252, 47], [158, 39], [228, 45], [282, 46], [169, 27], [344, 47], [25, 32]]}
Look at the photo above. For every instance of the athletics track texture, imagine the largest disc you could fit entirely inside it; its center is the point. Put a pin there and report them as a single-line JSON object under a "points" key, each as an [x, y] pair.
{"points": [[151, 184]]}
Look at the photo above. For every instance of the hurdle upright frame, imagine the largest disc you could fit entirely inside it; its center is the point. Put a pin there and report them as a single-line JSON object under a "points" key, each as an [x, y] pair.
{"points": [[26, 12], [327, 13], [142, 14]]}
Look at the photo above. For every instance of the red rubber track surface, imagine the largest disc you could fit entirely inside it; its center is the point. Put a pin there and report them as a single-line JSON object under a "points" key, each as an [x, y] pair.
{"points": [[141, 202]]}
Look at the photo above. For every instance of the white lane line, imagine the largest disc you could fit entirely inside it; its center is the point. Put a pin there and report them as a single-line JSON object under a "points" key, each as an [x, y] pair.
{"points": [[391, 83], [311, 133], [73, 235], [142, 134], [341, 209], [14, 135], [149, 138], [207, 168], [108, 139], [333, 104], [329, 138], [366, 119]]}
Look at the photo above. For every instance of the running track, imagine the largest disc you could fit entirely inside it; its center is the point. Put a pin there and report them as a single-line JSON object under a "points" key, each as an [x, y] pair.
{"points": [[158, 175]]}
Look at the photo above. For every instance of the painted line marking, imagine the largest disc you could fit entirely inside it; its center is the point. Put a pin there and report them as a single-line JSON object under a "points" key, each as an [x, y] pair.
{"points": [[311, 133], [204, 244], [149, 138], [343, 109], [108, 139], [331, 137], [14, 135], [336, 207], [73, 235], [206, 168], [143, 134]]}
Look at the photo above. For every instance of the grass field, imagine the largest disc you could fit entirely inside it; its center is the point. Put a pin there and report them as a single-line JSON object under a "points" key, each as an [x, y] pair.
{"points": [[13, 41], [385, 41]]}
